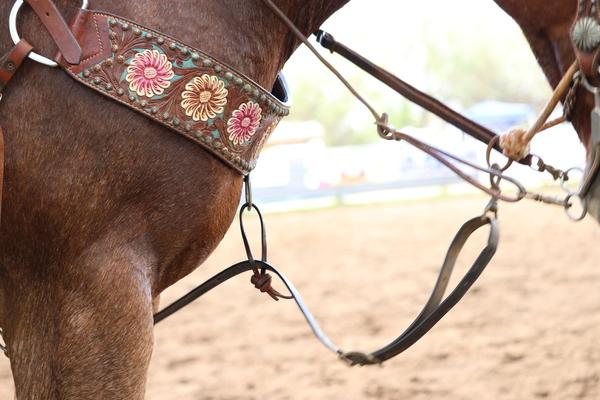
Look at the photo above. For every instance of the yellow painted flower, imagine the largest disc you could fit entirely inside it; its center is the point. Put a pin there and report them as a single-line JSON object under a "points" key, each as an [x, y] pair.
{"points": [[204, 97]]}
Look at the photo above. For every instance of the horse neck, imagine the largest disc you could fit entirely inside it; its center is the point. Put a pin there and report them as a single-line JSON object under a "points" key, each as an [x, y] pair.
{"points": [[243, 34], [546, 25]]}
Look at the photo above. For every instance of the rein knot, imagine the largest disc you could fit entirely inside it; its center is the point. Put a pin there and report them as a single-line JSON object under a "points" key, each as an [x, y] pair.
{"points": [[262, 281], [515, 144]]}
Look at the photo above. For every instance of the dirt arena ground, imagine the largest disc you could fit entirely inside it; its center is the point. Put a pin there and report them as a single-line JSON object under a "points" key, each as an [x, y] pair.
{"points": [[530, 328]]}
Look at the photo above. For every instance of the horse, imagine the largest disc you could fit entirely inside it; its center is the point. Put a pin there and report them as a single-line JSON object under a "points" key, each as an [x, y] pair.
{"points": [[103, 209]]}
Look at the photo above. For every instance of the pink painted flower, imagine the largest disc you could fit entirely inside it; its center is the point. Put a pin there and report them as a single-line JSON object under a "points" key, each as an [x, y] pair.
{"points": [[243, 122], [149, 73]]}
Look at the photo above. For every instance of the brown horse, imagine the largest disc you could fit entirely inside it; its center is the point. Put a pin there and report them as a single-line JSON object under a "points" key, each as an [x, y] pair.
{"points": [[104, 209], [547, 25]]}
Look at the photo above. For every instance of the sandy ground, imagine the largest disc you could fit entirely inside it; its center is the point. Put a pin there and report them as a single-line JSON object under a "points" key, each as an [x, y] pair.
{"points": [[530, 329]]}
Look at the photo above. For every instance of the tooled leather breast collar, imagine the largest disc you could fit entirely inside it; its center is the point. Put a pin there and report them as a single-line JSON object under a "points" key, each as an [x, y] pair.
{"points": [[176, 85]]}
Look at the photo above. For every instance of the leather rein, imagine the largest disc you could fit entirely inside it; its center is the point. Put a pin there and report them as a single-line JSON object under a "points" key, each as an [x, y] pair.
{"points": [[80, 58]]}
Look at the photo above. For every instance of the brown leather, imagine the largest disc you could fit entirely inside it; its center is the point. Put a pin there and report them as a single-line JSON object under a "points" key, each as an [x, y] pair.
{"points": [[413, 94], [58, 29], [113, 48], [10, 62], [588, 61]]}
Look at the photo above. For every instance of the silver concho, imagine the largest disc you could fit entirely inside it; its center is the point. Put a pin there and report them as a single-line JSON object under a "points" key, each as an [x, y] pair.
{"points": [[586, 34]]}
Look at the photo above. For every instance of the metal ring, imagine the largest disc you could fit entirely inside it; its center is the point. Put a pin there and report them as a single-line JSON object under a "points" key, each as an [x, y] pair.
{"points": [[566, 178], [488, 155], [568, 205], [16, 38]]}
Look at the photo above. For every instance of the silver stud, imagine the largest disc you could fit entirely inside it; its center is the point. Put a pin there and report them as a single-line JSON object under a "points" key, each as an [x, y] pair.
{"points": [[586, 34]]}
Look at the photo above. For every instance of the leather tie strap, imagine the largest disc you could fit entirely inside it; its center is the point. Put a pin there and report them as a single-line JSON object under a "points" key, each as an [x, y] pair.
{"points": [[58, 29], [10, 63]]}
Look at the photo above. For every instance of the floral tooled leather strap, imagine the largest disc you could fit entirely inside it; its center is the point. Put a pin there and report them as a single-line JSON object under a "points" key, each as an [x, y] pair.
{"points": [[176, 85]]}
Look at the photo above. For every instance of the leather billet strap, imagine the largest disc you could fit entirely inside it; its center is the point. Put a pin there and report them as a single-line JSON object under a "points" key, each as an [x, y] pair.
{"points": [[12, 61], [58, 29], [176, 85]]}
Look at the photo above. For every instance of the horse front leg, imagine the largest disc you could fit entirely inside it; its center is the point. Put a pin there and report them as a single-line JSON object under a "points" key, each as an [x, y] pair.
{"points": [[82, 331]]}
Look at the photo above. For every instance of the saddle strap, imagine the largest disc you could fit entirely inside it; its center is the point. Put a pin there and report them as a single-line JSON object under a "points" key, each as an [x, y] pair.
{"points": [[12, 61], [433, 311]]}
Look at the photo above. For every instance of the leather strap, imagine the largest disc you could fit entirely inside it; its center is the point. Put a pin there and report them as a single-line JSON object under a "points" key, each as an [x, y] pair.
{"points": [[413, 94], [10, 62], [588, 57], [433, 311], [58, 29]]}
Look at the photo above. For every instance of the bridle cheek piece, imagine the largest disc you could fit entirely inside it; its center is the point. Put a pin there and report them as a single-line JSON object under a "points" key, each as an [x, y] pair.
{"points": [[225, 112], [585, 37]]}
